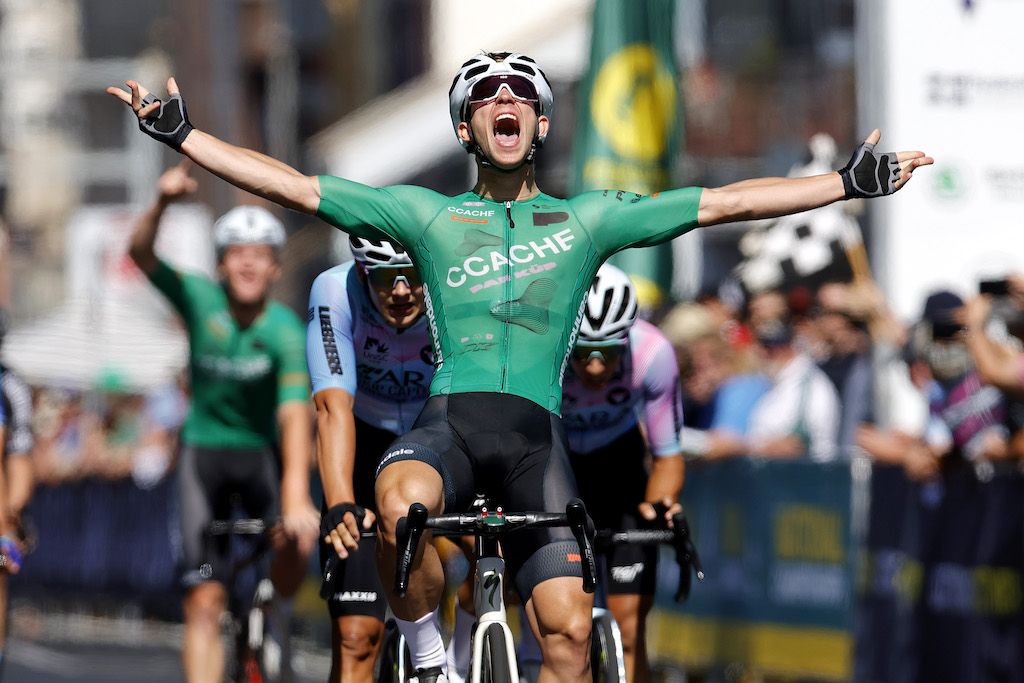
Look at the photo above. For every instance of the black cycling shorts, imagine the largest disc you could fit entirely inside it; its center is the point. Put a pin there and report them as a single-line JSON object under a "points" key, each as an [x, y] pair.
{"points": [[212, 482], [510, 450], [358, 589], [613, 482]]}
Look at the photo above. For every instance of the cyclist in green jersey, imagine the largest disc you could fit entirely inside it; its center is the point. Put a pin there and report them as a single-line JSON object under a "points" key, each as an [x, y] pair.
{"points": [[248, 433], [505, 269]]}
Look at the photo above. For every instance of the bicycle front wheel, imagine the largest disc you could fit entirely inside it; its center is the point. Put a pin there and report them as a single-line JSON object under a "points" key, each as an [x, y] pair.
{"points": [[393, 664], [606, 659], [494, 660]]}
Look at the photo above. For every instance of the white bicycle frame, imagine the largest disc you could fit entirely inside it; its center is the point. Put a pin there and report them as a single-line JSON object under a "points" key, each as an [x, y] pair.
{"points": [[489, 602]]}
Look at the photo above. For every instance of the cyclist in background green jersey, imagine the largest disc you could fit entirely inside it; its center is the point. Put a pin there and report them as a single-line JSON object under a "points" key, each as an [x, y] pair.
{"points": [[505, 270], [248, 433]]}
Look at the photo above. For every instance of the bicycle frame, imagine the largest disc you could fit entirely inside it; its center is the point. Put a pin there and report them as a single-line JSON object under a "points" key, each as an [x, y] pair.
{"points": [[489, 602], [246, 611]]}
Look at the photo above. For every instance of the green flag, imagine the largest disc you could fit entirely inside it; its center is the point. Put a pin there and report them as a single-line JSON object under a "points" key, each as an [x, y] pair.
{"points": [[630, 119]]}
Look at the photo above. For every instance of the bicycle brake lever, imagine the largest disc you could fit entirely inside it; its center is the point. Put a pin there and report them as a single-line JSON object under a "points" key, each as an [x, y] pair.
{"points": [[583, 530], [330, 569], [686, 556], [408, 532]]}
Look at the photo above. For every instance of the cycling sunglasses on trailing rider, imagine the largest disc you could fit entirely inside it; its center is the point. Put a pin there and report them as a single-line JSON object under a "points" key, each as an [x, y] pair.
{"points": [[518, 87], [605, 354], [386, 278]]}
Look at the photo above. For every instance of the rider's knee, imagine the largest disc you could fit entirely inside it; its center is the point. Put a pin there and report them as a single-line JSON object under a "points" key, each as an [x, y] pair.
{"points": [[566, 649], [568, 639], [359, 643], [392, 504], [204, 604], [396, 495]]}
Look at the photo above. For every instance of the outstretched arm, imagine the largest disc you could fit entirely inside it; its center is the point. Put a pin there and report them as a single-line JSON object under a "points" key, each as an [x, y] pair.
{"points": [[868, 174], [244, 168], [174, 184]]}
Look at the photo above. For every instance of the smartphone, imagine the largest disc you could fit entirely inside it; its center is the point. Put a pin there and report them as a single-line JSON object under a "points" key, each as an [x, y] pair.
{"points": [[994, 287]]}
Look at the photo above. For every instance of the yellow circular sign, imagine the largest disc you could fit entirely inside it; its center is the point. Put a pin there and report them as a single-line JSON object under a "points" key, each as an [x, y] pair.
{"points": [[634, 102]]}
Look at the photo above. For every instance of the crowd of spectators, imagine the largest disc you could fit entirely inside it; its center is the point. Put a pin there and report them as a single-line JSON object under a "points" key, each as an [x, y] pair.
{"points": [[108, 433], [830, 372]]}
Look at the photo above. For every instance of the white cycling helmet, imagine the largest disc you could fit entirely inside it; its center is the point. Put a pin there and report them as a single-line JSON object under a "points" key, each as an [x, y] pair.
{"points": [[248, 225], [610, 310], [378, 252], [487, 64]]}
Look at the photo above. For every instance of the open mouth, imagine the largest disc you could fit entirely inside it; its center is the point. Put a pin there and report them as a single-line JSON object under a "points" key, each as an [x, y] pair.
{"points": [[400, 310], [506, 129]]}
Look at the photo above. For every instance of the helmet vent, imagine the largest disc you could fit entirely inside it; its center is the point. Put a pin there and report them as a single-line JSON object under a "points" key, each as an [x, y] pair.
{"points": [[524, 68], [475, 71]]}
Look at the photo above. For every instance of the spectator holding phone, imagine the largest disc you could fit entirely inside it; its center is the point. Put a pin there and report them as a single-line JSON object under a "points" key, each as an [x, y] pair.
{"points": [[967, 414], [999, 362]]}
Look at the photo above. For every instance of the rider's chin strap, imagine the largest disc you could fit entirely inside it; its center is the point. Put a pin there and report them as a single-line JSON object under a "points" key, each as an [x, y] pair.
{"points": [[474, 148]]}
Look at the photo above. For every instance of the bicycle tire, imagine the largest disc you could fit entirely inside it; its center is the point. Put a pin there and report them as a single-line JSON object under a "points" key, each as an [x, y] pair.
{"points": [[494, 658], [390, 661], [606, 663]]}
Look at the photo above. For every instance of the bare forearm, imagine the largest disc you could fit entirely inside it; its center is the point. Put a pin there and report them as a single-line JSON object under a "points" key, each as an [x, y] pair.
{"points": [[666, 480], [20, 482], [254, 172], [335, 453], [147, 226], [782, 448], [997, 364], [5, 511], [296, 445], [768, 198]]}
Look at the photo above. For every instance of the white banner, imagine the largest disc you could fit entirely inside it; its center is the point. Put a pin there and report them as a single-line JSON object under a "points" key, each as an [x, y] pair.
{"points": [[946, 77]]}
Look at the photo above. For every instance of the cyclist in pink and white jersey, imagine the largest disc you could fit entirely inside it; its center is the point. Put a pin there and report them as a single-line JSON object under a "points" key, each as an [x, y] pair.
{"points": [[623, 375]]}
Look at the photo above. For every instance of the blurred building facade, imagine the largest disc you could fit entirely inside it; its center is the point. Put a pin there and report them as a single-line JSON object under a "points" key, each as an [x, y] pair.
{"points": [[358, 87]]}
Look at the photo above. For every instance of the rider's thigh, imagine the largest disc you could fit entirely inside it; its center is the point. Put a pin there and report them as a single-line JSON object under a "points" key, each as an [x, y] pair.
{"points": [[401, 484]]}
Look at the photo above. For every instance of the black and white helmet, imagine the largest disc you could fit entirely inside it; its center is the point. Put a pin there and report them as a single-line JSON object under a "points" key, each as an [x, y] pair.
{"points": [[248, 225], [378, 252], [487, 64], [611, 308]]}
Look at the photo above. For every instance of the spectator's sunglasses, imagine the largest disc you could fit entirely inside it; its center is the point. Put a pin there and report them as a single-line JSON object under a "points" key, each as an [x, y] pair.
{"points": [[606, 354], [487, 89], [386, 278]]}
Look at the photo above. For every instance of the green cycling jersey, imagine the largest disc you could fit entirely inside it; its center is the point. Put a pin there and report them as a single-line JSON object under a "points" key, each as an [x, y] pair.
{"points": [[238, 376], [504, 282]]}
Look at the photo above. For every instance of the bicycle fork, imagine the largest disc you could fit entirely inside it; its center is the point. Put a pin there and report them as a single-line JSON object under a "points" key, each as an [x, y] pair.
{"points": [[489, 602]]}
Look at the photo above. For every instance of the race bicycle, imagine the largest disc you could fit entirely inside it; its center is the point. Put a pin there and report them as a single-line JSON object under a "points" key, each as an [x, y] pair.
{"points": [[493, 649], [257, 659], [607, 662]]}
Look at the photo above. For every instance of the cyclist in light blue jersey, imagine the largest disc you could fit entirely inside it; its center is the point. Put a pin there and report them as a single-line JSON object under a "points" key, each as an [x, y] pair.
{"points": [[370, 362]]}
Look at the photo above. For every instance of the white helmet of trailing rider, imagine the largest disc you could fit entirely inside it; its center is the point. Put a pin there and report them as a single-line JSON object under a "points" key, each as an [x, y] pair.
{"points": [[378, 252], [610, 309], [247, 225], [487, 64]]}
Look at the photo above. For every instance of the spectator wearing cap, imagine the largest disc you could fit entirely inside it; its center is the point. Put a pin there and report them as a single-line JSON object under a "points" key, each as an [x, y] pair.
{"points": [[967, 414], [799, 415]]}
